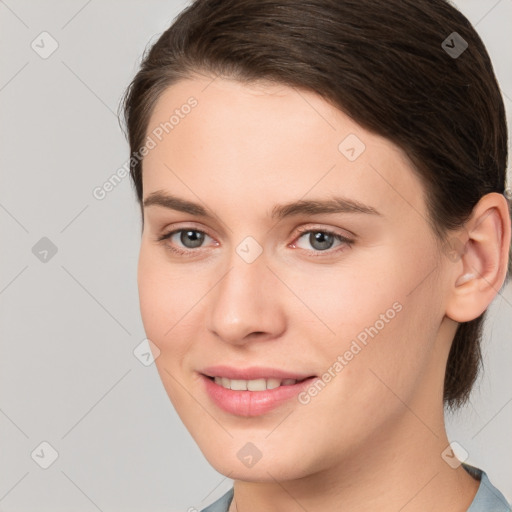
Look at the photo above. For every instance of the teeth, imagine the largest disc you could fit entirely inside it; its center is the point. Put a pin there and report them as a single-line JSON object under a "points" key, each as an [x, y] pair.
{"points": [[239, 385], [273, 383], [253, 385], [256, 385]]}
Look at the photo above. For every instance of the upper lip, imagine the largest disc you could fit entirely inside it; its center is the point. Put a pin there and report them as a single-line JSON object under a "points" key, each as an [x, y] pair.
{"points": [[252, 373]]}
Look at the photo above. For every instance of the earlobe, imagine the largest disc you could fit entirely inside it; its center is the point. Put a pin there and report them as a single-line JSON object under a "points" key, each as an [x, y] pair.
{"points": [[480, 270]]}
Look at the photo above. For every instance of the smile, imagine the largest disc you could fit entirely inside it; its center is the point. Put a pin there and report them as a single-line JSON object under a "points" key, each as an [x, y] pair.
{"points": [[253, 385], [253, 391]]}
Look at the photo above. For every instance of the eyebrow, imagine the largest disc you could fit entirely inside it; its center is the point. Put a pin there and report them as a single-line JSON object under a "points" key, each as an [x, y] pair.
{"points": [[279, 211]]}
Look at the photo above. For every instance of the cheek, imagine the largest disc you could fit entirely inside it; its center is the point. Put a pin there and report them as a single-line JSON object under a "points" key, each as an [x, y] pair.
{"points": [[376, 360], [374, 320], [153, 296], [167, 296]]}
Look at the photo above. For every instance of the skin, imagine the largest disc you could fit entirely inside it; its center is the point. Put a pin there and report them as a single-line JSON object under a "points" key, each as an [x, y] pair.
{"points": [[372, 439]]}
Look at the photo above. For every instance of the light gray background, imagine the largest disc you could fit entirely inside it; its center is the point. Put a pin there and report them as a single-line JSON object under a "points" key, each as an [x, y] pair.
{"points": [[68, 375]]}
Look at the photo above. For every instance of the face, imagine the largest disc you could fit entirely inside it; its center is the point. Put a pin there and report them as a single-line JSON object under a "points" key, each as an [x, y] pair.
{"points": [[288, 279]]}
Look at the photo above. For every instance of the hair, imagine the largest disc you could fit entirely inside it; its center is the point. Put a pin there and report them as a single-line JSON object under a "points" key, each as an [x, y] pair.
{"points": [[381, 63]]}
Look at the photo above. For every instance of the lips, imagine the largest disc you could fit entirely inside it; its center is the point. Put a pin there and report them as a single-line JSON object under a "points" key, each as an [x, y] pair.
{"points": [[252, 391]]}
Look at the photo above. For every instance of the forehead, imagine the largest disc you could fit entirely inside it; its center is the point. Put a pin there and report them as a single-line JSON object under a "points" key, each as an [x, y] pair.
{"points": [[267, 142]]}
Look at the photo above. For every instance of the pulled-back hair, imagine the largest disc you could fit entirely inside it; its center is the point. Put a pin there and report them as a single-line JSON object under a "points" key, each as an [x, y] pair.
{"points": [[386, 65]]}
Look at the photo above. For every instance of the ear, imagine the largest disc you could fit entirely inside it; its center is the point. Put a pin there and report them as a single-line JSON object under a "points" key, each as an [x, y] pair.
{"points": [[478, 254]]}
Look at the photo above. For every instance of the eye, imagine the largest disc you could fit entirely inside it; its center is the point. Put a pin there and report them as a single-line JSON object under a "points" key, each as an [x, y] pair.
{"points": [[321, 240], [184, 240]]}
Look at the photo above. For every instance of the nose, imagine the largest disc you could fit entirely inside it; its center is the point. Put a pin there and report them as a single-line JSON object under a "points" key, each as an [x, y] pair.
{"points": [[246, 304]]}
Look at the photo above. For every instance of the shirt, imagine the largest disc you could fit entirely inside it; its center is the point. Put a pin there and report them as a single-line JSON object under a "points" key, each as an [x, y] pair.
{"points": [[487, 498]]}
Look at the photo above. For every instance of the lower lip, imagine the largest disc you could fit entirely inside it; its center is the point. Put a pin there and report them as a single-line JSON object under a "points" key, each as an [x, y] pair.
{"points": [[252, 403]]}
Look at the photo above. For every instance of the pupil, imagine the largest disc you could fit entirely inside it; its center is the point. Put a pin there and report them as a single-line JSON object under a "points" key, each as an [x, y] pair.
{"points": [[191, 239], [321, 241]]}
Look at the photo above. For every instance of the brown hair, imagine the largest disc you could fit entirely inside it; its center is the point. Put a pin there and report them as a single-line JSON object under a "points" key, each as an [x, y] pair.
{"points": [[382, 63]]}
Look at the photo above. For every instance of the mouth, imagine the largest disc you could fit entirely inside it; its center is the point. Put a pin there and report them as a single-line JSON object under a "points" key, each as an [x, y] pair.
{"points": [[253, 384], [252, 392]]}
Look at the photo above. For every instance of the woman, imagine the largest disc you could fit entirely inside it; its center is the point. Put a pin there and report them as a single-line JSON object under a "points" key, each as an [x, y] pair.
{"points": [[325, 223]]}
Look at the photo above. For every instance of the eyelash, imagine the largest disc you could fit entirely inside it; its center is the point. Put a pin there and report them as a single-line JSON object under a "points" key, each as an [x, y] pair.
{"points": [[302, 231]]}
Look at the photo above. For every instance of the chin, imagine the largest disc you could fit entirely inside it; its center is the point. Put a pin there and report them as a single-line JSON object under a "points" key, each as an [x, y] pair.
{"points": [[241, 460]]}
